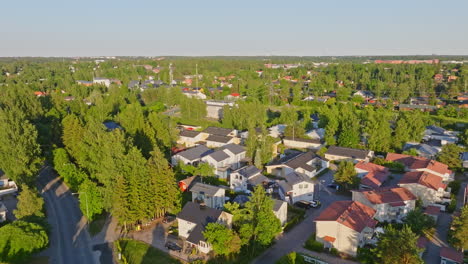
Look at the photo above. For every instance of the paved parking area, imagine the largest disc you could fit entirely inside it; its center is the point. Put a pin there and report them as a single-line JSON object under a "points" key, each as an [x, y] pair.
{"points": [[10, 203]]}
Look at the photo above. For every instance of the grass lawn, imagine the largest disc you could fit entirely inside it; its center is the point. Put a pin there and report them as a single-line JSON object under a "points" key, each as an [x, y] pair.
{"points": [[97, 224], [136, 252]]}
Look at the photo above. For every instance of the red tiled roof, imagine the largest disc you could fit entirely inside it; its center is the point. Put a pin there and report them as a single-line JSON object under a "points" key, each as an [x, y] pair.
{"points": [[424, 178], [329, 239], [397, 204], [452, 254], [414, 163], [389, 195], [352, 214], [376, 174], [432, 210]]}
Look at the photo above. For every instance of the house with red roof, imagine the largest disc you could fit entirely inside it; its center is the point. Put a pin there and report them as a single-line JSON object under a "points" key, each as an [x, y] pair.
{"points": [[390, 204], [428, 187], [450, 256], [413, 164], [372, 175], [346, 225]]}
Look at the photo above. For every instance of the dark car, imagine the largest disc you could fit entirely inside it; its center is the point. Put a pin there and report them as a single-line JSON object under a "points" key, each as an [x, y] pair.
{"points": [[332, 185], [303, 204], [168, 219], [173, 246]]}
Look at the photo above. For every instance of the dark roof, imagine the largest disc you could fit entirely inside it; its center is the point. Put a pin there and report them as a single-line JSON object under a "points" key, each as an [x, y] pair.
{"points": [[217, 138], [199, 215], [189, 133], [195, 152], [464, 156], [219, 155], [241, 199], [234, 148], [196, 235], [205, 188], [258, 179], [348, 152], [306, 140], [111, 125], [296, 177], [300, 161], [218, 131], [248, 171], [277, 205]]}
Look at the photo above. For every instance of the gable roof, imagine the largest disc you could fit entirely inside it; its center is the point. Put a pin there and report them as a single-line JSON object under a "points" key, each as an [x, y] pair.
{"points": [[218, 131], [248, 171], [305, 140], [205, 188], [376, 174], [218, 138], [296, 177], [277, 204], [414, 163], [189, 133], [423, 178], [219, 155], [388, 195], [452, 254], [234, 148], [352, 214], [195, 152], [348, 152]]}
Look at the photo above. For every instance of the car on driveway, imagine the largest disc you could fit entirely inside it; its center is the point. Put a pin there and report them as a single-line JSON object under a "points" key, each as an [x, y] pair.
{"points": [[315, 203], [307, 205], [173, 246], [333, 186]]}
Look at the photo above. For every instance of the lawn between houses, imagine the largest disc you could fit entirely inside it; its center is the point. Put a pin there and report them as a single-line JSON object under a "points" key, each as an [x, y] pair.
{"points": [[136, 252]]}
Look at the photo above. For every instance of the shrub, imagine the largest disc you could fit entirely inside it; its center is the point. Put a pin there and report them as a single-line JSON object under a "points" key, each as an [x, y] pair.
{"points": [[334, 252], [453, 204], [455, 187], [365, 255], [313, 244]]}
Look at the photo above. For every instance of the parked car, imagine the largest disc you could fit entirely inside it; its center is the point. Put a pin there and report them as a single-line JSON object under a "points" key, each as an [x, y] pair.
{"points": [[303, 204], [168, 219], [333, 186], [315, 203], [173, 246]]}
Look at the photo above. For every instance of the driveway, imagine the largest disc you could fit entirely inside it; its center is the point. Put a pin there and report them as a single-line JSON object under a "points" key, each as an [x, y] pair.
{"points": [[295, 238], [431, 256], [69, 240]]}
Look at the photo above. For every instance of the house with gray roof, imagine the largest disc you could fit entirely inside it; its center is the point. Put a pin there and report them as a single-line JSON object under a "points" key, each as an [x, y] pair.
{"points": [[216, 141], [190, 138], [220, 131], [464, 158], [295, 187], [302, 143], [191, 156], [307, 163], [210, 195], [423, 149], [246, 178], [228, 157], [192, 221], [280, 209], [353, 154]]}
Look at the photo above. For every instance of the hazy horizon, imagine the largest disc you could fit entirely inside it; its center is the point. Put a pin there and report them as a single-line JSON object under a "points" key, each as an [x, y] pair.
{"points": [[53, 28]]}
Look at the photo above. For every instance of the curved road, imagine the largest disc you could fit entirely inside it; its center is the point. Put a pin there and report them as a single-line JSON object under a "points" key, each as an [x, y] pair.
{"points": [[69, 240]]}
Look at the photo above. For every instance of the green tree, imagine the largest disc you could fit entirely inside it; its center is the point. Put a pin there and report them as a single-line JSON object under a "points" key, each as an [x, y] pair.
{"points": [[71, 174], [91, 200], [450, 155], [346, 175], [19, 150], [419, 222], [460, 229], [224, 240], [29, 203], [398, 246], [20, 239]]}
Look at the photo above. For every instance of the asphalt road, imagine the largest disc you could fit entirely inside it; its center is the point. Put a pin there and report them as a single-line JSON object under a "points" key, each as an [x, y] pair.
{"points": [[295, 238], [69, 240]]}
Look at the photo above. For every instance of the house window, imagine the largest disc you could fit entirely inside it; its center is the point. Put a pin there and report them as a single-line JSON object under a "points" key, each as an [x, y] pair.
{"points": [[305, 186], [300, 186]]}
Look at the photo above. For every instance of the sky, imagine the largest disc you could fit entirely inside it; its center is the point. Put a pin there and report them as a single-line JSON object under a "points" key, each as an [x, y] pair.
{"points": [[232, 28]]}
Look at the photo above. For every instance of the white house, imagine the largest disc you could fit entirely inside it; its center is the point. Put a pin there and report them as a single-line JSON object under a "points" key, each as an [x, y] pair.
{"points": [[192, 221], [190, 138], [389, 203], [307, 163], [194, 94], [214, 108], [302, 143], [296, 187], [277, 131], [345, 225], [413, 164], [246, 178], [341, 153], [191, 156], [428, 187], [318, 133], [217, 141], [210, 195], [280, 208], [103, 81], [7, 186], [227, 158]]}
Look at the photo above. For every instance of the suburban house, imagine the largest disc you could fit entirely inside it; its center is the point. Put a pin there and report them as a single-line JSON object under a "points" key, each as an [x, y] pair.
{"points": [[445, 136], [209, 195], [192, 221], [318, 133], [307, 163], [103, 81], [3, 212], [426, 186], [464, 158], [346, 225], [7, 186], [295, 187], [227, 158], [413, 164], [216, 141], [191, 156], [302, 143], [190, 138], [246, 178], [390, 204], [450, 256], [280, 208], [187, 183], [425, 150], [372, 175], [341, 153], [214, 108], [277, 131], [227, 132]]}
